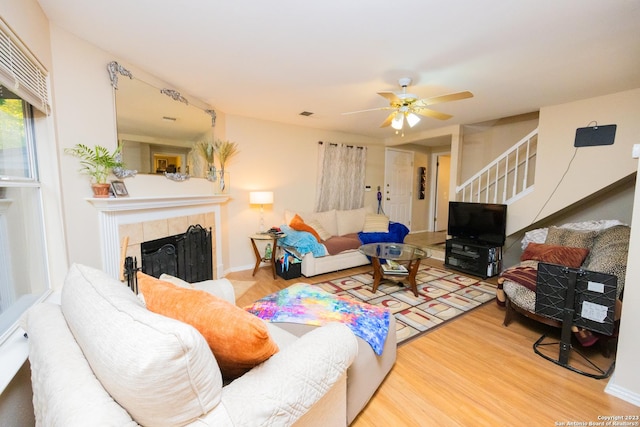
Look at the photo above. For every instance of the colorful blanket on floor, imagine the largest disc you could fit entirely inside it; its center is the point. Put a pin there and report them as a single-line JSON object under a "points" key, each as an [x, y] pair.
{"points": [[310, 305]]}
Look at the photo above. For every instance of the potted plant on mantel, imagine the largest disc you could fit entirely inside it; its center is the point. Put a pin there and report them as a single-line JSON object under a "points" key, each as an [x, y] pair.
{"points": [[98, 163]]}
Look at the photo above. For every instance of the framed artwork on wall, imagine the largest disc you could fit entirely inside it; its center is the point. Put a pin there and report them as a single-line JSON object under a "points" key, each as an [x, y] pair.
{"points": [[161, 165]]}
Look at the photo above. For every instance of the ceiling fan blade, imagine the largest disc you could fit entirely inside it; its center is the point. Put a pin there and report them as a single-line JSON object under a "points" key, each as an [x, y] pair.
{"points": [[369, 109], [388, 120], [391, 97], [443, 98], [433, 114]]}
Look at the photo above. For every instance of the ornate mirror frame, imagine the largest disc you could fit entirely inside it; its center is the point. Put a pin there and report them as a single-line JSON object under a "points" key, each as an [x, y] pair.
{"points": [[158, 128]]}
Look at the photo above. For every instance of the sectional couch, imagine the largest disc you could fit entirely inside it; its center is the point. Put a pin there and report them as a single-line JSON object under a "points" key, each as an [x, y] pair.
{"points": [[333, 237], [105, 356], [102, 358]]}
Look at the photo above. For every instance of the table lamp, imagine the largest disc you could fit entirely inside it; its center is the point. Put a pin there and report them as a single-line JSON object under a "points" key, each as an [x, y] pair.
{"points": [[261, 198]]}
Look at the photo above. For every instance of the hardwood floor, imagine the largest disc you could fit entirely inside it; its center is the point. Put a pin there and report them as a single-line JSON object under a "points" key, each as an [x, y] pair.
{"points": [[472, 372]]}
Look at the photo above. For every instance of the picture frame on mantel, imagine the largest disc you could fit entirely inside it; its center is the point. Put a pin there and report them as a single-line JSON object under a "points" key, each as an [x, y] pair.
{"points": [[119, 189]]}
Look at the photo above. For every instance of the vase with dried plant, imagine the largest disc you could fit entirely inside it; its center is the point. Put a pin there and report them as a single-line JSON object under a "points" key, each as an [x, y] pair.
{"points": [[225, 150], [97, 162], [206, 149]]}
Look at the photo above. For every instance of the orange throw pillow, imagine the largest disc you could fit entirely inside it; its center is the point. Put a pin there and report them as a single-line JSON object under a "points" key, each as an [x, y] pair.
{"points": [[297, 223], [238, 339], [553, 254]]}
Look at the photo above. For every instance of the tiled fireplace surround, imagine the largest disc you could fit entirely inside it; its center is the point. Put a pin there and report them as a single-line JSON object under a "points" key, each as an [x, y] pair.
{"points": [[148, 218]]}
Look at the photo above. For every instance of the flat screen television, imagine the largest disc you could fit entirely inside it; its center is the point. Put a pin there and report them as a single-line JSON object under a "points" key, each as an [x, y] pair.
{"points": [[480, 222]]}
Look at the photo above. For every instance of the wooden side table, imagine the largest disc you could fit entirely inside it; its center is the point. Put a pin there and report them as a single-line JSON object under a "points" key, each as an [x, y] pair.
{"points": [[259, 258]]}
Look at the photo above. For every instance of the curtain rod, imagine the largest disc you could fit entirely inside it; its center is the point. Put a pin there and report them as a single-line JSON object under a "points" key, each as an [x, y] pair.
{"points": [[348, 146]]}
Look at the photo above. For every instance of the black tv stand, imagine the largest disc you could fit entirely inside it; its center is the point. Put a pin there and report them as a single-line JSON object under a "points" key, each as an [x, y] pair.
{"points": [[473, 257]]}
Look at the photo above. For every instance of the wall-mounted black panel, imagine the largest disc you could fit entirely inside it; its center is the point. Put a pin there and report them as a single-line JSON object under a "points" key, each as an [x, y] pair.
{"points": [[595, 135]]}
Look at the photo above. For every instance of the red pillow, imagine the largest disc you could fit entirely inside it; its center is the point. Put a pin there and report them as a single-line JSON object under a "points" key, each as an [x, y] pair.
{"points": [[562, 255], [297, 223]]}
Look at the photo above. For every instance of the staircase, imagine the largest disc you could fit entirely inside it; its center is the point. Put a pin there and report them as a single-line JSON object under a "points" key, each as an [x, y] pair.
{"points": [[568, 177], [508, 178]]}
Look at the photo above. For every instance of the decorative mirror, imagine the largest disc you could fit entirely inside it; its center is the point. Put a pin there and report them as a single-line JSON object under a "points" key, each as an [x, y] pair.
{"points": [[158, 127]]}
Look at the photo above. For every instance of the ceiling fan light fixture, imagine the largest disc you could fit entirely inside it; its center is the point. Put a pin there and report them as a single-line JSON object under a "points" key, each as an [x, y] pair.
{"points": [[412, 119], [397, 121]]}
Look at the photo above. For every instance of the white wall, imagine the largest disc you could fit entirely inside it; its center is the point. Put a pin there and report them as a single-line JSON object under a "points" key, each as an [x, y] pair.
{"points": [[483, 142], [592, 168], [271, 156], [84, 114], [283, 159], [626, 378], [616, 202]]}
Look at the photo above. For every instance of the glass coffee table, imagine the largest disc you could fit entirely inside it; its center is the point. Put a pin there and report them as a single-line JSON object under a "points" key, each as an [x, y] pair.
{"points": [[399, 261]]}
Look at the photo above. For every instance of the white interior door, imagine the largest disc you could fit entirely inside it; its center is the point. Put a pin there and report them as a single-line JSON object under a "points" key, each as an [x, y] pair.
{"points": [[398, 177], [443, 171]]}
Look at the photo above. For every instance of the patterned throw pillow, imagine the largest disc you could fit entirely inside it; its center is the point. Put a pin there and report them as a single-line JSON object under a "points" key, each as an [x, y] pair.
{"points": [[553, 254], [609, 253], [565, 237]]}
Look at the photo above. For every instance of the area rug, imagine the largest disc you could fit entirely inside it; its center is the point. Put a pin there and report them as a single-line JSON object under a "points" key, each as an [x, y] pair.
{"points": [[442, 297], [240, 287]]}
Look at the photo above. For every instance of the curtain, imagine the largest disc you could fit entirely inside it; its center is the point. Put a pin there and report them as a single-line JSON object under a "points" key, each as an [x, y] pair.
{"points": [[341, 171]]}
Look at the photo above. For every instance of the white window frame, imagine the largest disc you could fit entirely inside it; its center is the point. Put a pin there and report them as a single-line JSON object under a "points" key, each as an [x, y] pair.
{"points": [[27, 77]]}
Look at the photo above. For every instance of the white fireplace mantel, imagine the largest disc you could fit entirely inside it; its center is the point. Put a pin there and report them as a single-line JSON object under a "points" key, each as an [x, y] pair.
{"points": [[113, 212]]}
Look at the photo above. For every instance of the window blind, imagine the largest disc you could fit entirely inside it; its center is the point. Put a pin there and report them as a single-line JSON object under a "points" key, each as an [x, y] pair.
{"points": [[21, 71]]}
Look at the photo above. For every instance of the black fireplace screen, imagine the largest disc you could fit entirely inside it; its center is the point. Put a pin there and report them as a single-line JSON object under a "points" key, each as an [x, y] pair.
{"points": [[187, 256]]}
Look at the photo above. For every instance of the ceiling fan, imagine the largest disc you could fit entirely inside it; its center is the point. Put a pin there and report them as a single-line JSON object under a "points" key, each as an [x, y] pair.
{"points": [[407, 106]]}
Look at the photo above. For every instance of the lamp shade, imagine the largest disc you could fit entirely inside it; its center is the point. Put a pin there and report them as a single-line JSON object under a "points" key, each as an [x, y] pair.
{"points": [[398, 121], [261, 197], [412, 119]]}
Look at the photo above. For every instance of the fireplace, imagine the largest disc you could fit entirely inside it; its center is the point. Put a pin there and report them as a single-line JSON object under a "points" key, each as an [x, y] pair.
{"points": [[187, 256], [127, 222]]}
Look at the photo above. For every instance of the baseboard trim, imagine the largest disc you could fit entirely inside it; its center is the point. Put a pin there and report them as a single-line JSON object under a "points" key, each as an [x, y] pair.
{"points": [[620, 392]]}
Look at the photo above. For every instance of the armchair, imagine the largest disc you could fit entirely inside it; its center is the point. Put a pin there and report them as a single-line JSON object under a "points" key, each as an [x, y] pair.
{"points": [[600, 245]]}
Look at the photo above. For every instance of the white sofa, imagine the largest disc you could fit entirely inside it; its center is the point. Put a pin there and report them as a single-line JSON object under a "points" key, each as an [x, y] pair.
{"points": [[101, 358], [342, 226]]}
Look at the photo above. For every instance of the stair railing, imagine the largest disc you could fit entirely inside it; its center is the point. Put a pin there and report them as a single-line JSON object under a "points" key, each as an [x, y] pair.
{"points": [[510, 176]]}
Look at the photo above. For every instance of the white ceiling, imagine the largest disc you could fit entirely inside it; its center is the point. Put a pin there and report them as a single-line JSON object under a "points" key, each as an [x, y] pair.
{"points": [[273, 60]]}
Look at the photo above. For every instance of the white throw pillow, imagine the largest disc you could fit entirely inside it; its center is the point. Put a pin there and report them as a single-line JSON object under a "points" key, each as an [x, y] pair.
{"points": [[351, 221], [315, 224], [376, 223], [221, 288], [326, 219], [160, 370]]}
